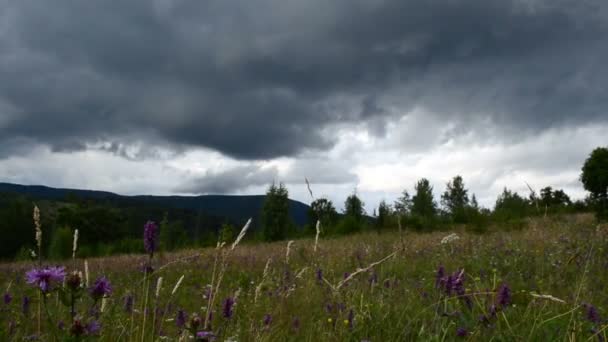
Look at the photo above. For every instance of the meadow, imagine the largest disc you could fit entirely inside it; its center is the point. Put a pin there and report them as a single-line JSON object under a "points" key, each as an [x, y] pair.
{"points": [[544, 282]]}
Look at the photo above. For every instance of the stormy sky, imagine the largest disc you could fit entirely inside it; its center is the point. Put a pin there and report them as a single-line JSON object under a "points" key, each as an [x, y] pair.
{"points": [[225, 97]]}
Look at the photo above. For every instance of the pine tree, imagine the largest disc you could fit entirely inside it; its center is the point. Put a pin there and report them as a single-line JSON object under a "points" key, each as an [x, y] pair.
{"points": [[456, 199], [275, 213]]}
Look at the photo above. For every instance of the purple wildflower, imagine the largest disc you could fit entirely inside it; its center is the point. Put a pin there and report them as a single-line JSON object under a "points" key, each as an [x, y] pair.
{"points": [[93, 327], [101, 288], [25, 305], [150, 237], [61, 325], [205, 336], [319, 274], [504, 295], [461, 332], [440, 277], [267, 319], [228, 307], [351, 319], [181, 318], [44, 276], [8, 298], [592, 314]]}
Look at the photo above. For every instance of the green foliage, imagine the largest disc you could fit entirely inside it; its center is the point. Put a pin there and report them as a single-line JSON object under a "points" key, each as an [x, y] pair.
{"points": [[384, 216], [353, 207], [61, 243], [423, 202], [275, 213], [349, 225], [511, 208], [227, 233], [403, 205], [456, 200], [172, 234], [324, 210], [16, 226], [594, 177]]}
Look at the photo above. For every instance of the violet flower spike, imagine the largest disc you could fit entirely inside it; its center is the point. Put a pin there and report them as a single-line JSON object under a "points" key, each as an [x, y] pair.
{"points": [[228, 307], [504, 296], [150, 237]]}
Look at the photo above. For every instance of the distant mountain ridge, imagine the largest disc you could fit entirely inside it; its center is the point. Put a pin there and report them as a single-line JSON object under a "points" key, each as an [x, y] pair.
{"points": [[236, 208]]}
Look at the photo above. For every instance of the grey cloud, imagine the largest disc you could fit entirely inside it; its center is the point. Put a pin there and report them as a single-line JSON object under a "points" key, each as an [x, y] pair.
{"points": [[257, 80], [240, 178], [229, 181]]}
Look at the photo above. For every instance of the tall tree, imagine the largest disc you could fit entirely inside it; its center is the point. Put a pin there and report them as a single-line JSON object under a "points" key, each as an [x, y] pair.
{"points": [[324, 210], [275, 213], [403, 204], [594, 177], [456, 199], [423, 202], [353, 207], [384, 213], [510, 205]]}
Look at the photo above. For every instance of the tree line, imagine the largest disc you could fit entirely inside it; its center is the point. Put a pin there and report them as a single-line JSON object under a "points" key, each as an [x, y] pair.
{"points": [[108, 228]]}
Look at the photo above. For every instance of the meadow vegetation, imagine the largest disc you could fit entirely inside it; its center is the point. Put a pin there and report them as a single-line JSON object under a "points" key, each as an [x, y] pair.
{"points": [[530, 269]]}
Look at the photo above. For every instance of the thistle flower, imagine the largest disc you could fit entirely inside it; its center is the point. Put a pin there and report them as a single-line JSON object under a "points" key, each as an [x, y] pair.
{"points": [[150, 237], [43, 277], [462, 332], [8, 298], [228, 307], [195, 322], [100, 289], [504, 296], [74, 281]]}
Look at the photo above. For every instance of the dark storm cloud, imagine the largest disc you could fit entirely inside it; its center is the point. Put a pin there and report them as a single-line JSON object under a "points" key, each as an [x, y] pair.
{"points": [[270, 78]]}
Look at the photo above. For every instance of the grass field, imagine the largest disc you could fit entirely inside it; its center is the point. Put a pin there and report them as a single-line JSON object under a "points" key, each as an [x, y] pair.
{"points": [[546, 282]]}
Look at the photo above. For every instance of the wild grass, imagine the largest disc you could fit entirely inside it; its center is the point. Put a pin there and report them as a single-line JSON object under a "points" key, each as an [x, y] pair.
{"points": [[544, 283]]}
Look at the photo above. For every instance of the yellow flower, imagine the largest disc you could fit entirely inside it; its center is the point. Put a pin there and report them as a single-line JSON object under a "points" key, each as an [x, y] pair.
{"points": [[329, 320], [345, 322]]}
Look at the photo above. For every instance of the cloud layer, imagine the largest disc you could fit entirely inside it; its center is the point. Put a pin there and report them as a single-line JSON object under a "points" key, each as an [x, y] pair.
{"points": [[279, 90]]}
